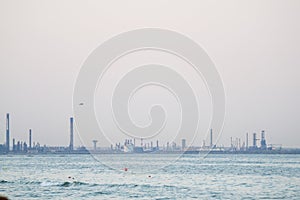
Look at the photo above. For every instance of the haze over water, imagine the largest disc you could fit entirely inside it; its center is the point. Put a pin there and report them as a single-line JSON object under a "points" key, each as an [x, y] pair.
{"points": [[190, 177]]}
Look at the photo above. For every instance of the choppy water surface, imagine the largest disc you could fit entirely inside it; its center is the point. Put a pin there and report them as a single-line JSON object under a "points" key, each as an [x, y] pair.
{"points": [[190, 177]]}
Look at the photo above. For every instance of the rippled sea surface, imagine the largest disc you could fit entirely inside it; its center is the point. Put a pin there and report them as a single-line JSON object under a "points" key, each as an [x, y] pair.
{"points": [[190, 177]]}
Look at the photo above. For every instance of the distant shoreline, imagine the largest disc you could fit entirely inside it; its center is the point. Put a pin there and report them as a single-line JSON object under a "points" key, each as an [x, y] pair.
{"points": [[292, 151]]}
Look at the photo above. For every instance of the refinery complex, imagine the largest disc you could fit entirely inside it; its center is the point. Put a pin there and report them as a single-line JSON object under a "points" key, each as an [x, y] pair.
{"points": [[257, 145]]}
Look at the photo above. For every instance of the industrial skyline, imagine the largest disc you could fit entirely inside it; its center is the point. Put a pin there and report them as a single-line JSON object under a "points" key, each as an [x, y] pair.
{"points": [[131, 146]]}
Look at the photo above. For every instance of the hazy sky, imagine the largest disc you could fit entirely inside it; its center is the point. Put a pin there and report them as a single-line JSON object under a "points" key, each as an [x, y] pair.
{"points": [[255, 46]]}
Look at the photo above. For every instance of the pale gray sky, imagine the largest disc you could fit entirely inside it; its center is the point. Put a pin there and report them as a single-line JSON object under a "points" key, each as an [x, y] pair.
{"points": [[255, 46]]}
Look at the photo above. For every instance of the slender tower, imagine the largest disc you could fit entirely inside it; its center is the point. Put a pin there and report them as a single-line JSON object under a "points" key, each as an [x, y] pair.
{"points": [[254, 140], [30, 139], [211, 138], [7, 132], [247, 142], [71, 147], [95, 144]]}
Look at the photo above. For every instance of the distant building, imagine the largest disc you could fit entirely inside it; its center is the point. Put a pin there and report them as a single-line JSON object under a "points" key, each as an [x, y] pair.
{"points": [[95, 144], [263, 143]]}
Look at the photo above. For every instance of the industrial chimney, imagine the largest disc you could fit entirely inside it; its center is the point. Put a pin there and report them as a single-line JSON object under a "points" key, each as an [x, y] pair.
{"points": [[71, 147], [7, 133], [254, 141], [211, 138], [247, 142], [30, 139]]}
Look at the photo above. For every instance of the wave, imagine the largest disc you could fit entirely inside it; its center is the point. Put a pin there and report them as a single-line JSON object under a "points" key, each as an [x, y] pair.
{"points": [[112, 186], [75, 183], [4, 181], [62, 184]]}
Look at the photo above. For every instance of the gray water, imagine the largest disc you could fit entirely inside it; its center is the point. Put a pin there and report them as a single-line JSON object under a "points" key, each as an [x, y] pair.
{"points": [[190, 177]]}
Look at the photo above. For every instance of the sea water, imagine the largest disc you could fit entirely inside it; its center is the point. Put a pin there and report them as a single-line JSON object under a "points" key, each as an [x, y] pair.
{"points": [[189, 177]]}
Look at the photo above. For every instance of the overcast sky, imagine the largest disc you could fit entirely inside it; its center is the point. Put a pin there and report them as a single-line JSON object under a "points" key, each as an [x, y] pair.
{"points": [[255, 46]]}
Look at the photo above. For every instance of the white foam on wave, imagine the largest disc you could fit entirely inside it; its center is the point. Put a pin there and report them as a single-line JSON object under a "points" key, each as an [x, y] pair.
{"points": [[49, 183]]}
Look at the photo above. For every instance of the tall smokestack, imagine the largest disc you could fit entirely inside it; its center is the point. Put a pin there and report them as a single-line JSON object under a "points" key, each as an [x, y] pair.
{"points": [[211, 138], [30, 139], [71, 134], [247, 141], [254, 140], [7, 132]]}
